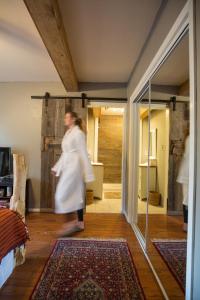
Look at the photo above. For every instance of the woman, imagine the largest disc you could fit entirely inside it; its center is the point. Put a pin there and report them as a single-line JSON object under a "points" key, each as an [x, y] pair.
{"points": [[183, 178], [74, 169]]}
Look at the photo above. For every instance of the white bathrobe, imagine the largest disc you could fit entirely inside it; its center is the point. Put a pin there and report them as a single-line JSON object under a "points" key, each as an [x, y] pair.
{"points": [[74, 168], [183, 175]]}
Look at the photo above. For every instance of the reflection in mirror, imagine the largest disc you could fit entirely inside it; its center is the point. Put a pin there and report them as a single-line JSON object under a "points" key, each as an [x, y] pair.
{"points": [[168, 170], [143, 164]]}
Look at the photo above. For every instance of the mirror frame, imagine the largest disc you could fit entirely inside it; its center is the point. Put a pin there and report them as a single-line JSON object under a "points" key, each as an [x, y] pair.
{"points": [[183, 23]]}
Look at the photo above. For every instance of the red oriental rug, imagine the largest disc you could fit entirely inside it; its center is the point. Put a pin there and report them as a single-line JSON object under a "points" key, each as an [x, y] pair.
{"points": [[89, 269], [173, 253]]}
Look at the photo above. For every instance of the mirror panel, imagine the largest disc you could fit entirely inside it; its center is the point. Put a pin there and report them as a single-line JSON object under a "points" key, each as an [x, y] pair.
{"points": [[163, 179], [143, 137], [168, 137]]}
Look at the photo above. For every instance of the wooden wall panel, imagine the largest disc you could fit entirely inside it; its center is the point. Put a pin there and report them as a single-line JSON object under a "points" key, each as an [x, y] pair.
{"points": [[179, 122]]}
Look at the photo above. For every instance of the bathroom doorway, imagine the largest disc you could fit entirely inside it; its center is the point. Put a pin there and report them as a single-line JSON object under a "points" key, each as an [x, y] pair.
{"points": [[106, 145]]}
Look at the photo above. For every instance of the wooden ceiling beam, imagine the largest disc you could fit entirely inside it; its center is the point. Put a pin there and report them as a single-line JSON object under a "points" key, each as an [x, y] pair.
{"points": [[47, 18]]}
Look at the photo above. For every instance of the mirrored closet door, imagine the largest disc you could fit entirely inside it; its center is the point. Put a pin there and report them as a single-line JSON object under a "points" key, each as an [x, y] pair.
{"points": [[163, 152]]}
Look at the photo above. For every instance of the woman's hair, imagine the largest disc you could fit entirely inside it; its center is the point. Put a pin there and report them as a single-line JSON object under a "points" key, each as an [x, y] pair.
{"points": [[78, 121]]}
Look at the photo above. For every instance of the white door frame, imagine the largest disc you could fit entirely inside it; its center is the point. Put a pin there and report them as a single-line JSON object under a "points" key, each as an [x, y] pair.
{"points": [[124, 144], [184, 19]]}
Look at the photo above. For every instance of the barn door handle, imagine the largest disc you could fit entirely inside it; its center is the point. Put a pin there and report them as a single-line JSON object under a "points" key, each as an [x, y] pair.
{"points": [[45, 143]]}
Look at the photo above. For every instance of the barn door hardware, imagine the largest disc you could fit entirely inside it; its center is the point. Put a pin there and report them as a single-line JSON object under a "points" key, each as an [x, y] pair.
{"points": [[173, 101], [83, 98]]}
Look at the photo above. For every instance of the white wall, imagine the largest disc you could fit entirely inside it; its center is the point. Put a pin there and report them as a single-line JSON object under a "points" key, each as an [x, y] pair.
{"points": [[160, 122], [20, 124]]}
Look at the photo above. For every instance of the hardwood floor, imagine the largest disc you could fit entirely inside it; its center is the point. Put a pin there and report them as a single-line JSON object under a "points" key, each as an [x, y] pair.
{"points": [[42, 229], [163, 227]]}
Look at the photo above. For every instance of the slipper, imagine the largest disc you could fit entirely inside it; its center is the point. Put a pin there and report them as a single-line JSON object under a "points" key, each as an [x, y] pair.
{"points": [[71, 231]]}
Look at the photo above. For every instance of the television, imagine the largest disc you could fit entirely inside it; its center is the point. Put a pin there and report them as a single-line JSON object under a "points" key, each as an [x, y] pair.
{"points": [[6, 161]]}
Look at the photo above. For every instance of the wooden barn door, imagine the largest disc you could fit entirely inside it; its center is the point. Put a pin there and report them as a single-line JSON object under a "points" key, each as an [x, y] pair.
{"points": [[53, 129], [179, 121]]}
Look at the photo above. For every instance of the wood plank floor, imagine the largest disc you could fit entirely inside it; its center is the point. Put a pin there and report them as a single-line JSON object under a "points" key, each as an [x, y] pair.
{"points": [[163, 227], [42, 229]]}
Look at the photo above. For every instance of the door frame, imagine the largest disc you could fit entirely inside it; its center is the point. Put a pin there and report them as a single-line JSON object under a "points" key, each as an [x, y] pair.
{"points": [[184, 20], [124, 145]]}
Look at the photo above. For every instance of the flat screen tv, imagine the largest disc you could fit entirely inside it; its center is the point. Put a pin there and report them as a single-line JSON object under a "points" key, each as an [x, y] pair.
{"points": [[5, 161]]}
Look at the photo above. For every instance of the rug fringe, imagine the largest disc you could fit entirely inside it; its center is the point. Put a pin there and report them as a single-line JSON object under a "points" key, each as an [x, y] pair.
{"points": [[168, 240], [94, 239]]}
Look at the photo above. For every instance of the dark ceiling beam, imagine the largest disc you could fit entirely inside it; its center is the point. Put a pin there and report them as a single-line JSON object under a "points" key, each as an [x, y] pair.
{"points": [[47, 18]]}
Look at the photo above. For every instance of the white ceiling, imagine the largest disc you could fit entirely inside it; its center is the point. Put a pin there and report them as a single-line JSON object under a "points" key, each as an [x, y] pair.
{"points": [[23, 57], [106, 36]]}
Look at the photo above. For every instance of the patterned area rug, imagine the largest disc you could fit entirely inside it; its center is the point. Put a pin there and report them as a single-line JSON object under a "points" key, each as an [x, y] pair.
{"points": [[173, 253], [89, 269]]}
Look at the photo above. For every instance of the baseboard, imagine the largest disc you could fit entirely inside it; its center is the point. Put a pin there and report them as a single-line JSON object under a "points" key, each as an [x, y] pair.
{"points": [[33, 209], [47, 210], [174, 213]]}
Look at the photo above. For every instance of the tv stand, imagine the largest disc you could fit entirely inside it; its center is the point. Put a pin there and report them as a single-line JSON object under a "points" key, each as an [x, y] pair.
{"points": [[5, 183]]}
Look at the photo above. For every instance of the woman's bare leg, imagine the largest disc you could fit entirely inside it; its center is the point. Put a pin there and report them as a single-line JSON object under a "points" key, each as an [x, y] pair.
{"points": [[69, 224], [74, 224], [67, 227]]}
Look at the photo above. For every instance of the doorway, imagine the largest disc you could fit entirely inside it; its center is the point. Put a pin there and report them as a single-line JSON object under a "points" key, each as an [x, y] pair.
{"points": [[158, 156], [106, 147]]}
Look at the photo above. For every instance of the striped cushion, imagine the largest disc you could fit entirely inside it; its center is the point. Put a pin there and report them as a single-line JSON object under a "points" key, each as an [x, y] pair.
{"points": [[13, 231]]}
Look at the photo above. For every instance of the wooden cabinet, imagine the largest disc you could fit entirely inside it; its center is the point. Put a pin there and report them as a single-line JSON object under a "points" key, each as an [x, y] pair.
{"points": [[142, 187]]}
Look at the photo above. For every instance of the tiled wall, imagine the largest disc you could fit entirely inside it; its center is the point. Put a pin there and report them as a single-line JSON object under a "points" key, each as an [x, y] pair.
{"points": [[110, 147]]}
